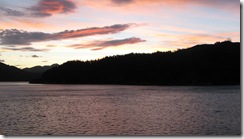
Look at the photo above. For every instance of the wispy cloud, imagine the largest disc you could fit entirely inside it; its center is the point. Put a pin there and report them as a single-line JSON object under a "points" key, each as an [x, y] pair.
{"points": [[20, 37], [98, 45], [50, 45], [225, 5], [24, 49], [122, 2], [10, 12], [210, 3]]}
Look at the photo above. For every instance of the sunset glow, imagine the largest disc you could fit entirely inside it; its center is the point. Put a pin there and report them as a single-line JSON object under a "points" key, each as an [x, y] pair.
{"points": [[44, 32]]}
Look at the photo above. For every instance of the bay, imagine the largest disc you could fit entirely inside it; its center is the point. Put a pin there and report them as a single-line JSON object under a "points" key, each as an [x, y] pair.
{"points": [[37, 109]]}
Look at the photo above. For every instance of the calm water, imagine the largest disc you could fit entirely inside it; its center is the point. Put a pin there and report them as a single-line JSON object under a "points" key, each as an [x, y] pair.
{"points": [[119, 110]]}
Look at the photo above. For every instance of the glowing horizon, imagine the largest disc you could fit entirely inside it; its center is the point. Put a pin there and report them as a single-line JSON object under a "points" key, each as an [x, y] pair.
{"points": [[45, 32]]}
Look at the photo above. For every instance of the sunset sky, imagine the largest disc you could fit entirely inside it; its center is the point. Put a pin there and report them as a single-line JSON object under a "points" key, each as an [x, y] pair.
{"points": [[44, 32]]}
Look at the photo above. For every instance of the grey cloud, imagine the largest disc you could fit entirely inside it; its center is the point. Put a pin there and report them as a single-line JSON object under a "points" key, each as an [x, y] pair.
{"points": [[35, 56], [121, 42], [11, 12], [1, 60], [25, 49], [98, 45], [36, 14], [122, 2], [20, 37]]}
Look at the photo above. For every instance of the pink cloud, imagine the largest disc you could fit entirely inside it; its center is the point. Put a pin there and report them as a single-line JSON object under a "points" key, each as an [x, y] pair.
{"points": [[98, 45], [20, 37], [90, 31]]}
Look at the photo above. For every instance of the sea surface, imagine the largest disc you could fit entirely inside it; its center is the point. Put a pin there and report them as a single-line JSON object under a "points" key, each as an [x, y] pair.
{"points": [[31, 109]]}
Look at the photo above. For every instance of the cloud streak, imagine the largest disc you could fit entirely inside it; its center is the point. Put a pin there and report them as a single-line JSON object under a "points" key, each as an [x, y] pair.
{"points": [[98, 45], [13, 48], [20, 37], [90, 31], [125, 5], [122, 2], [212, 3]]}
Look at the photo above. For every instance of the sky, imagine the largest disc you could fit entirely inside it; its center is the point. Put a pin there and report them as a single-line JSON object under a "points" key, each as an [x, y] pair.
{"points": [[44, 32]]}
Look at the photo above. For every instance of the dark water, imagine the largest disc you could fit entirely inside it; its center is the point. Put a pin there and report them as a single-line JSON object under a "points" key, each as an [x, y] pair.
{"points": [[119, 110]]}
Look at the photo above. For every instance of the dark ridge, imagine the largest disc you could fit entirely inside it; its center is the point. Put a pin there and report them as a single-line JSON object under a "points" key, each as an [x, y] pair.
{"points": [[206, 64], [40, 69], [11, 73]]}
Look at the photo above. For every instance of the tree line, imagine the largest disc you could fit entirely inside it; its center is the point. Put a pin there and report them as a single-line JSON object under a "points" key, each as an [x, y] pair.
{"points": [[205, 64]]}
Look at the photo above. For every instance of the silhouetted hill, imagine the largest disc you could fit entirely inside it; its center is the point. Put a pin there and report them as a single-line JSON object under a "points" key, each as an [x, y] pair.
{"points": [[11, 73], [40, 69], [207, 64]]}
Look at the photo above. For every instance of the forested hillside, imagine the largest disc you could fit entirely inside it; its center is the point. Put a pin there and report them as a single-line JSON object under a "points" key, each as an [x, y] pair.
{"points": [[206, 64]]}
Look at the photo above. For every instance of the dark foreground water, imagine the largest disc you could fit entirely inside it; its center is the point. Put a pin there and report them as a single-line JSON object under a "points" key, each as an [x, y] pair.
{"points": [[119, 110]]}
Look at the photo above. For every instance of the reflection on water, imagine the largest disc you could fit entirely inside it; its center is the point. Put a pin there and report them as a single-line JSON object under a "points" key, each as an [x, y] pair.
{"points": [[119, 110]]}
